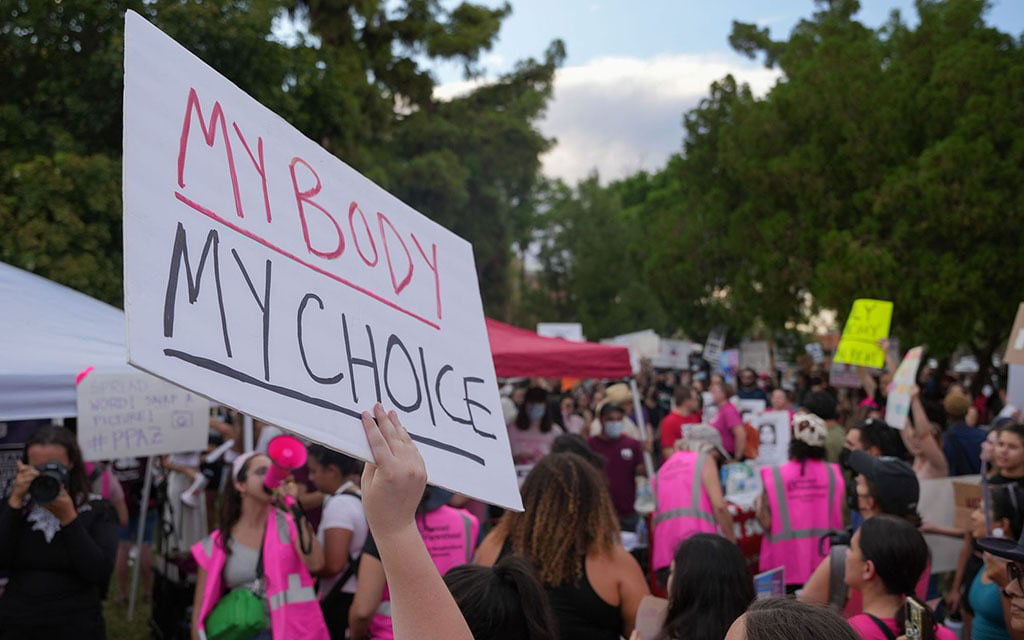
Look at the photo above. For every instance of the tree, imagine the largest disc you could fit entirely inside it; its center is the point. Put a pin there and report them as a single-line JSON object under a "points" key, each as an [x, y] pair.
{"points": [[356, 80], [882, 164]]}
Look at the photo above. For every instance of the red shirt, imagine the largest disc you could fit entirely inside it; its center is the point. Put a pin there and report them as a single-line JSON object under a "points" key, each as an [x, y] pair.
{"points": [[672, 428]]}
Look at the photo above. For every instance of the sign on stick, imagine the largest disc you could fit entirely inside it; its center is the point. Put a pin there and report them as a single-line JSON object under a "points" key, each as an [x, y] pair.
{"points": [[263, 272], [129, 415], [1015, 345], [897, 404], [867, 325]]}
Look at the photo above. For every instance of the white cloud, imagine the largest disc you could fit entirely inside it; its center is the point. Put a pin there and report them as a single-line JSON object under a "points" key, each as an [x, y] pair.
{"points": [[622, 114]]}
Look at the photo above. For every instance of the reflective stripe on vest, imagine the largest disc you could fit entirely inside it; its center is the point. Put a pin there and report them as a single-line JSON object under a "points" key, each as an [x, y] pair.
{"points": [[787, 532], [468, 525], [294, 594], [208, 546], [282, 527], [384, 609], [694, 511]]}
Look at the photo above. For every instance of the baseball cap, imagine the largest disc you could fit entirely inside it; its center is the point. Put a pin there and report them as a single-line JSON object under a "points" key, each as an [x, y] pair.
{"points": [[698, 436], [893, 478]]}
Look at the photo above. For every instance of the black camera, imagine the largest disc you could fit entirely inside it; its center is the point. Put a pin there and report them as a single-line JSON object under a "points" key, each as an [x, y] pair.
{"points": [[47, 485], [834, 538]]}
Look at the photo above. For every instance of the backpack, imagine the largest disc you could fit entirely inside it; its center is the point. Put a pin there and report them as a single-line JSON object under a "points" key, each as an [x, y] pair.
{"points": [[837, 590]]}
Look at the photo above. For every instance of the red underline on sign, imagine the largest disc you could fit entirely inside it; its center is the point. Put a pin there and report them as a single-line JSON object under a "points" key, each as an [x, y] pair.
{"points": [[291, 256]]}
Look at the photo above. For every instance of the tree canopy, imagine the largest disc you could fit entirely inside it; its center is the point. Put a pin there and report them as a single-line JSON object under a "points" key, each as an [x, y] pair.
{"points": [[357, 80]]}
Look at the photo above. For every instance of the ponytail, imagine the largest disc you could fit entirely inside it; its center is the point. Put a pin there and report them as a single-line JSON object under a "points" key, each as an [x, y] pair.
{"points": [[506, 602]]}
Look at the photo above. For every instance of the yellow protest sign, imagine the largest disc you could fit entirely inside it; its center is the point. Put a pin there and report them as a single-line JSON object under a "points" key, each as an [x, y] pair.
{"points": [[867, 325]]}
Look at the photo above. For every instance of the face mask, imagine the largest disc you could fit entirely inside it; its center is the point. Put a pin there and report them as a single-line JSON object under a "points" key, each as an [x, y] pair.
{"points": [[613, 429], [535, 412]]}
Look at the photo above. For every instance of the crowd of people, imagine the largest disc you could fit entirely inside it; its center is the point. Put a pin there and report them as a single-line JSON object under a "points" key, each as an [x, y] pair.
{"points": [[626, 530]]}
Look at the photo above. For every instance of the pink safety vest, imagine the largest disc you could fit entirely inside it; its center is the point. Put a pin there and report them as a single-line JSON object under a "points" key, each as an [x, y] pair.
{"points": [[450, 535], [684, 508], [805, 505], [291, 596]]}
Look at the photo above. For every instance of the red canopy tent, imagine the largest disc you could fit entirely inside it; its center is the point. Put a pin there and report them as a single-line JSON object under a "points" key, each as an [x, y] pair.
{"points": [[522, 353]]}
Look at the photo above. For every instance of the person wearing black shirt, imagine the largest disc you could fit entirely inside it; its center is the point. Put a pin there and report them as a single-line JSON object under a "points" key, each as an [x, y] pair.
{"points": [[59, 555]]}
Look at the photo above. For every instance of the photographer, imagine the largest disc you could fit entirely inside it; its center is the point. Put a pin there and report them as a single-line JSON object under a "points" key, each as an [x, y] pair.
{"points": [[57, 545]]}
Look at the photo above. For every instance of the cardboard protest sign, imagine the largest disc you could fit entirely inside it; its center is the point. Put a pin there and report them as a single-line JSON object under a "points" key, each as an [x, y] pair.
{"points": [[867, 325], [1015, 345], [571, 331], [756, 355], [130, 415], [773, 431], [966, 499], [897, 405], [269, 275]]}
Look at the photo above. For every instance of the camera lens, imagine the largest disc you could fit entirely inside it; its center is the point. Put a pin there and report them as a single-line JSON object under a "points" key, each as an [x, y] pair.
{"points": [[45, 488]]}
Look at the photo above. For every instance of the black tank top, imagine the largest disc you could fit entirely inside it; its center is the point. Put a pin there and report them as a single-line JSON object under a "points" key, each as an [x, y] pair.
{"points": [[581, 613]]}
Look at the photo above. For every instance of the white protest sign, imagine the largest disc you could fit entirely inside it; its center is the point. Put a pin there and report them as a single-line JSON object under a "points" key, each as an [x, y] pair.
{"points": [[749, 408], [773, 432], [673, 354], [129, 415], [571, 331], [756, 355], [816, 352], [641, 344], [267, 274], [897, 404], [713, 347]]}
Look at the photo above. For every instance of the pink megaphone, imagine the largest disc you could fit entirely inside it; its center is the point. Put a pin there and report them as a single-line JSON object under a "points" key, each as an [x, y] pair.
{"points": [[287, 454]]}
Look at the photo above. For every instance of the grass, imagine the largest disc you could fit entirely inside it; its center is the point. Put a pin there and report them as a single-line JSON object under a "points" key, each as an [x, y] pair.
{"points": [[119, 627]]}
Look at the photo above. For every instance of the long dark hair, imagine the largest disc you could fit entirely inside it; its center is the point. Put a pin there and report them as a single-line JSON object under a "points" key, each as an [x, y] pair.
{"points": [[78, 483], [711, 587], [506, 602], [900, 556], [535, 395], [327, 457], [1008, 502], [800, 451], [789, 619], [231, 505]]}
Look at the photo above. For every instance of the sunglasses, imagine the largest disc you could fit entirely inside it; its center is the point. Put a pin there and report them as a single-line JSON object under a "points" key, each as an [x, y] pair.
{"points": [[1016, 573]]}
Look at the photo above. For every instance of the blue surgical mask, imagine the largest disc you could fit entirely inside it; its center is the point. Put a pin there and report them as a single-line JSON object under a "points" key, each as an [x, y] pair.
{"points": [[535, 412], [614, 429]]}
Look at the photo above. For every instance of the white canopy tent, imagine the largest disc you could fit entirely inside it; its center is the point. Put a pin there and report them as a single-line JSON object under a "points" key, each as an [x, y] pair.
{"points": [[49, 333]]}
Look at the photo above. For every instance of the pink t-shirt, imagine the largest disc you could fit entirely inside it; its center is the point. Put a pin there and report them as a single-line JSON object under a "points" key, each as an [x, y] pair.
{"points": [[727, 419], [868, 630], [855, 603]]}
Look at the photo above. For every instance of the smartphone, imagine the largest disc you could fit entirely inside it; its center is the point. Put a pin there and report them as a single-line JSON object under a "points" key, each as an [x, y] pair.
{"points": [[918, 622]]}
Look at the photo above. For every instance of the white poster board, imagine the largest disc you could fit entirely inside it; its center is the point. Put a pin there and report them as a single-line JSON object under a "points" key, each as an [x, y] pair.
{"points": [[897, 405], [773, 432], [815, 350], [713, 347], [757, 355], [674, 354], [571, 331], [937, 506], [641, 344], [130, 415], [267, 274], [1015, 385]]}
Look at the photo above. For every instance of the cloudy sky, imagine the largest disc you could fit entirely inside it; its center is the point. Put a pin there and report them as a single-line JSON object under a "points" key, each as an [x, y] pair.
{"points": [[635, 66]]}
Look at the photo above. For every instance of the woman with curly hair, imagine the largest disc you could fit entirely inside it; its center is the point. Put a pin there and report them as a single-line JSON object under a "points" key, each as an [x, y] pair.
{"points": [[569, 533]]}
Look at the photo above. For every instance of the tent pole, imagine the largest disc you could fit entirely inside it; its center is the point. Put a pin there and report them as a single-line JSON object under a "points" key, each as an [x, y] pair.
{"points": [[642, 425], [147, 485]]}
